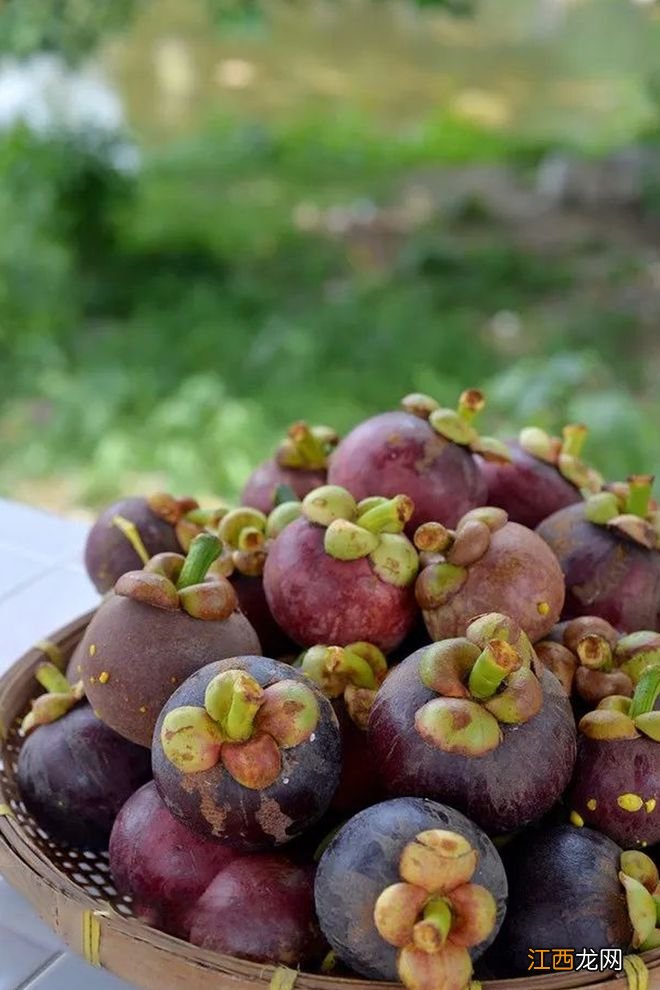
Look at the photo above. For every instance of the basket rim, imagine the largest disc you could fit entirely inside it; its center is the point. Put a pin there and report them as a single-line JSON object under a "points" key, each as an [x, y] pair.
{"points": [[64, 905]]}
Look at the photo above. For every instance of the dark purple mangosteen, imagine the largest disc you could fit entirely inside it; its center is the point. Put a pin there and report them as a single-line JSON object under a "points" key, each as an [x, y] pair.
{"points": [[247, 751], [609, 551], [478, 723], [161, 624], [73, 772], [130, 531], [411, 890], [422, 451], [300, 465], [487, 565], [344, 572], [545, 474], [574, 889], [616, 784]]}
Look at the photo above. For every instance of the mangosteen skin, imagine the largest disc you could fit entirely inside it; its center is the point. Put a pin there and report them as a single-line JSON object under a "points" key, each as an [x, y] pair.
{"points": [[511, 786], [75, 774], [260, 907], [213, 803], [606, 573], [607, 769], [316, 598], [147, 652], [261, 487], [161, 864], [515, 576], [108, 554], [564, 892], [359, 784], [528, 489], [398, 453], [363, 859], [252, 600]]}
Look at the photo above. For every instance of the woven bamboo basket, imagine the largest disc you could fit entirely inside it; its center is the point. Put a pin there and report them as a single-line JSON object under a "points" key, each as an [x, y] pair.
{"points": [[72, 890]]}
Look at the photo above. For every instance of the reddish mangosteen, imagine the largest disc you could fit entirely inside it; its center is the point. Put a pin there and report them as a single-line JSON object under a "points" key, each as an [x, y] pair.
{"points": [[260, 906], [545, 474], [423, 451], [609, 550], [411, 890], [73, 772], [350, 676], [161, 624], [246, 535], [478, 723], [163, 865], [573, 888], [130, 531], [616, 784], [299, 465], [487, 564], [247, 751], [344, 572]]}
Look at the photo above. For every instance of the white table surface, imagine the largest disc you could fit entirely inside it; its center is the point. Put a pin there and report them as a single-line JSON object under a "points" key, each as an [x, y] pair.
{"points": [[43, 586]]}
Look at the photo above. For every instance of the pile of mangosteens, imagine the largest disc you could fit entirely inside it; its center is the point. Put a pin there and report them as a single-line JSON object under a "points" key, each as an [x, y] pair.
{"points": [[395, 716]]}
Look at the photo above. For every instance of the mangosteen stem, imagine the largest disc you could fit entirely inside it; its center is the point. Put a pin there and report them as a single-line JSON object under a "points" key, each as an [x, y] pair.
{"points": [[639, 494], [646, 693], [308, 447], [393, 512], [233, 699], [470, 404], [431, 933], [132, 534], [52, 679], [497, 661], [204, 549], [354, 667], [575, 435]]}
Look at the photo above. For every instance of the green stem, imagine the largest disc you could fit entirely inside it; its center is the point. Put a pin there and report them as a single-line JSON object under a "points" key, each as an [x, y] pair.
{"points": [[639, 494], [204, 549], [575, 435], [393, 511], [232, 699], [497, 661], [309, 448], [52, 679], [242, 711], [470, 404], [355, 667], [437, 914], [132, 534], [646, 693]]}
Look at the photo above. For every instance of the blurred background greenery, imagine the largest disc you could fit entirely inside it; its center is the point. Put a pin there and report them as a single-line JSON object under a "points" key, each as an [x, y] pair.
{"points": [[219, 216]]}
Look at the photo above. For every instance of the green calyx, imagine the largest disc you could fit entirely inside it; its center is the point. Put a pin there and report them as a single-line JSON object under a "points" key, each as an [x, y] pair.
{"points": [[628, 510], [306, 447], [60, 698], [354, 672], [193, 584], [284, 513], [606, 663], [564, 454], [636, 652], [619, 718], [186, 515], [242, 725], [640, 901], [457, 425]]}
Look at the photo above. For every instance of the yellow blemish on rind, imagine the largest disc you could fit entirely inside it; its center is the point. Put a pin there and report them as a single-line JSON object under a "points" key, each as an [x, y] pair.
{"points": [[543, 608], [650, 805], [104, 677], [630, 802], [576, 819], [92, 649], [143, 709], [92, 680], [592, 804]]}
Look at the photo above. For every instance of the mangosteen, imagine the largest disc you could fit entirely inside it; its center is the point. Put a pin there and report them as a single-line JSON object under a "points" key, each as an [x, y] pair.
{"points": [[476, 722], [247, 751], [350, 676], [260, 907], [344, 572], [299, 465], [423, 451], [161, 624], [161, 864], [609, 551], [411, 890], [73, 772], [568, 889], [130, 531], [487, 564], [545, 474], [616, 784]]}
